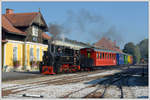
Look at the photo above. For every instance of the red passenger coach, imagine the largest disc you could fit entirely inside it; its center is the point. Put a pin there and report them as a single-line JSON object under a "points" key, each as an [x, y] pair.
{"points": [[104, 58], [100, 57]]}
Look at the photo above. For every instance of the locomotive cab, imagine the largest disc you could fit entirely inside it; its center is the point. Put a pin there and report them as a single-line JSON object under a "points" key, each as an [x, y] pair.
{"points": [[86, 58]]}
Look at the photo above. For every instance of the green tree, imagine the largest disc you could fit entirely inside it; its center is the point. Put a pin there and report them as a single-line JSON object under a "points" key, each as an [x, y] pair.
{"points": [[130, 48], [143, 46], [137, 54]]}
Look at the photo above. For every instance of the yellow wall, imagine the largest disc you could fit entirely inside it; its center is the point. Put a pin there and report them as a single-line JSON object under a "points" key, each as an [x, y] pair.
{"points": [[28, 54], [9, 53], [34, 46], [21, 52]]}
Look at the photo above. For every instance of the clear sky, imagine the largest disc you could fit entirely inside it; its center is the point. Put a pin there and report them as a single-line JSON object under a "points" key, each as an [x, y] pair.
{"points": [[89, 21]]}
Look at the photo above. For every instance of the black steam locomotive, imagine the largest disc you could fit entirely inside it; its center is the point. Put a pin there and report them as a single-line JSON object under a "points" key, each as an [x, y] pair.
{"points": [[60, 59]]}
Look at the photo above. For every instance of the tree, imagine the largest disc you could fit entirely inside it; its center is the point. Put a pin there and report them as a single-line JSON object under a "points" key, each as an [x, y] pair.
{"points": [[143, 46], [137, 54], [130, 48]]}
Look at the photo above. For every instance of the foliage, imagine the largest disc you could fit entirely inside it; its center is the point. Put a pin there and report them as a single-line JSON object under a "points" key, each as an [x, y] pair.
{"points": [[143, 46], [130, 48], [137, 54]]}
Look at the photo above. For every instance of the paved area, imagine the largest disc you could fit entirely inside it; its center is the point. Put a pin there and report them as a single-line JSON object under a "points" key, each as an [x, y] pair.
{"points": [[6, 76], [115, 83]]}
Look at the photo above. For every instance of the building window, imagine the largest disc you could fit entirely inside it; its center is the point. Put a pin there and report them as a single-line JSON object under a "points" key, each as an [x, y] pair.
{"points": [[31, 54], [15, 54], [35, 30], [38, 54], [34, 38]]}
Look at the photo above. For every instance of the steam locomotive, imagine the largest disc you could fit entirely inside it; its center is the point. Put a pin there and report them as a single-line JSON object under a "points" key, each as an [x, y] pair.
{"points": [[64, 59], [60, 59]]}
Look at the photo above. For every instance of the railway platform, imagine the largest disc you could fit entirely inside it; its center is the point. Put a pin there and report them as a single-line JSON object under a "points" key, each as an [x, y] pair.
{"points": [[7, 76]]}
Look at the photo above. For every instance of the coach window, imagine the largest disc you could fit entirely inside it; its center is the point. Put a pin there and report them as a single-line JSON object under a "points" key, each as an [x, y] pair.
{"points": [[88, 55], [114, 56], [103, 56], [100, 55], [97, 55], [108, 55]]}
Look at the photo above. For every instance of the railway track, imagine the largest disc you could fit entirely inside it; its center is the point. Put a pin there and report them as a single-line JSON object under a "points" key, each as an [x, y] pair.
{"points": [[102, 91], [91, 86], [35, 84], [70, 79]]}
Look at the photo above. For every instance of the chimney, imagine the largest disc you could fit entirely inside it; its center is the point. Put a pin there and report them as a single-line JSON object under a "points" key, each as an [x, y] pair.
{"points": [[9, 11]]}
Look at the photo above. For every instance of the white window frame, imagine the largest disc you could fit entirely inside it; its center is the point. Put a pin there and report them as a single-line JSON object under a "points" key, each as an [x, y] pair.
{"points": [[15, 46], [38, 53], [35, 30]]}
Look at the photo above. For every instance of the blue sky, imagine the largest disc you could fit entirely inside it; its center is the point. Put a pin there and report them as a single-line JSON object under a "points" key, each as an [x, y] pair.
{"points": [[120, 21]]}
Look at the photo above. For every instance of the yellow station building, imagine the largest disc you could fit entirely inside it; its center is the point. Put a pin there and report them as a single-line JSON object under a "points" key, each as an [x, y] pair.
{"points": [[23, 40]]}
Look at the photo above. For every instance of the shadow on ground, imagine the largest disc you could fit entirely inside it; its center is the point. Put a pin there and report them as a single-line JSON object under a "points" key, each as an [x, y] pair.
{"points": [[135, 78]]}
